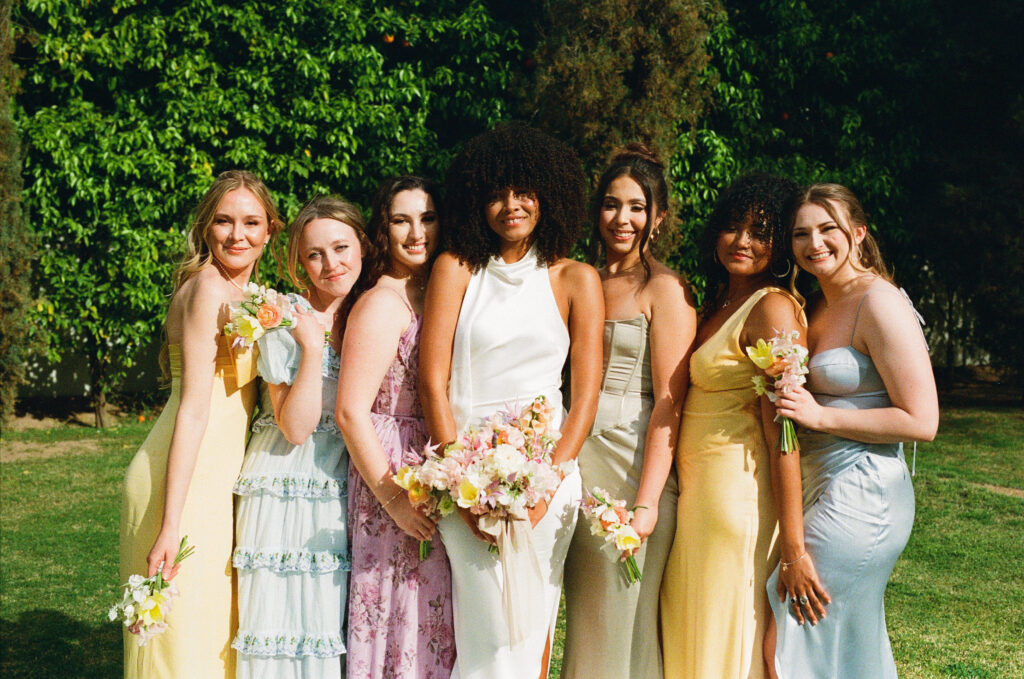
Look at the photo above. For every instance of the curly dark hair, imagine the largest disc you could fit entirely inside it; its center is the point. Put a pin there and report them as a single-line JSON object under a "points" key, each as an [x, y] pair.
{"points": [[513, 155], [763, 197], [642, 165]]}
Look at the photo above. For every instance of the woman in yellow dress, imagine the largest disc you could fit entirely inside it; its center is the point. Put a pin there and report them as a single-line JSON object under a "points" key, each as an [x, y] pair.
{"points": [[714, 607], [180, 481]]}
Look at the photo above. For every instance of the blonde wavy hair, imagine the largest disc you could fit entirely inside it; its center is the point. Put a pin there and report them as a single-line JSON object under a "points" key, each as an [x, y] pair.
{"points": [[197, 251]]}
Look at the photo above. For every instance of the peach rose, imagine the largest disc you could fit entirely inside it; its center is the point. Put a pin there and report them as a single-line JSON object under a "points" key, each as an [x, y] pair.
{"points": [[269, 316]]}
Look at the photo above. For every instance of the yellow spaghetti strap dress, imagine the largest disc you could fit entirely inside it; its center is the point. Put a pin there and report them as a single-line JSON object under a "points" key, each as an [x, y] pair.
{"points": [[202, 622], [714, 607]]}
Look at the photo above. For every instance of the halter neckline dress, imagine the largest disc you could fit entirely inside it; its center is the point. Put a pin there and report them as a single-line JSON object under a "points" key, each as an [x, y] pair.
{"points": [[509, 347]]}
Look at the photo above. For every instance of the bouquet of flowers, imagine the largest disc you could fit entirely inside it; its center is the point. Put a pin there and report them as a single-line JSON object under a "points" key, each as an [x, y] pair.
{"points": [[610, 519], [500, 469], [262, 309], [146, 601], [785, 362], [434, 501]]}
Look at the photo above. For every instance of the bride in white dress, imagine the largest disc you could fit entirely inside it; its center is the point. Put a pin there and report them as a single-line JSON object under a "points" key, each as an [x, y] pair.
{"points": [[504, 310]]}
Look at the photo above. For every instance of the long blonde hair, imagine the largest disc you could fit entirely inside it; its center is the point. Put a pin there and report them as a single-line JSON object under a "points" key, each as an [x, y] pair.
{"points": [[197, 251]]}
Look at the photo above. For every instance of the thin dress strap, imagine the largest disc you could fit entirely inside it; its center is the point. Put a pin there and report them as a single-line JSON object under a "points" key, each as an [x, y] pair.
{"points": [[400, 296], [856, 316]]}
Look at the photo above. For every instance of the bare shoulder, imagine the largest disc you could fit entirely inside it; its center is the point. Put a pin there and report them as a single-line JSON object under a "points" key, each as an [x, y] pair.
{"points": [[776, 304], [572, 273], [379, 305], [887, 305], [204, 291], [449, 266], [668, 287]]}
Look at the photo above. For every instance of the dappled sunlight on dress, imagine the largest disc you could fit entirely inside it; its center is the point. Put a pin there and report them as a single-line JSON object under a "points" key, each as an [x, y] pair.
{"points": [[202, 623]]}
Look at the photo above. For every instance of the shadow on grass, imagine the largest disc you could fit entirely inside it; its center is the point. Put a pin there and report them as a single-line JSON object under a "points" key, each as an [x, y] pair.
{"points": [[47, 643]]}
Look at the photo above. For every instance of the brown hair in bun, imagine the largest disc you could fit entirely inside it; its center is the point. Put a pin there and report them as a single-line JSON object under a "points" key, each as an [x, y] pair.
{"points": [[642, 165]]}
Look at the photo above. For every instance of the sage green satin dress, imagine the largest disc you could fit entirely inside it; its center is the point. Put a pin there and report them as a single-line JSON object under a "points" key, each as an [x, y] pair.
{"points": [[611, 626]]}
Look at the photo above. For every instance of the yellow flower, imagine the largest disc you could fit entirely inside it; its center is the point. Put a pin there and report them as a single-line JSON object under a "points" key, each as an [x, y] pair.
{"points": [[249, 328], [151, 609], [761, 355], [404, 477], [418, 494], [626, 539], [468, 493]]}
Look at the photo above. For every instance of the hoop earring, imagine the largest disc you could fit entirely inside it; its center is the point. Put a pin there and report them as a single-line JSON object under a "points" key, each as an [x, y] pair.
{"points": [[789, 269]]}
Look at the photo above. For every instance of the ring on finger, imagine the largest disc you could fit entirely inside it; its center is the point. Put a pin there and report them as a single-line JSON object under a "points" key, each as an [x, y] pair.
{"points": [[803, 600]]}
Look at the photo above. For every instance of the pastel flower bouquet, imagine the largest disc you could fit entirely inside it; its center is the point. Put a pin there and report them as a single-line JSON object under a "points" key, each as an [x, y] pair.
{"points": [[785, 363], [145, 602], [262, 309], [610, 519], [498, 470]]}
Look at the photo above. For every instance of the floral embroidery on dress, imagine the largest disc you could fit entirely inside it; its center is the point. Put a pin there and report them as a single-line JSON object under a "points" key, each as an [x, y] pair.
{"points": [[293, 646], [291, 560]]}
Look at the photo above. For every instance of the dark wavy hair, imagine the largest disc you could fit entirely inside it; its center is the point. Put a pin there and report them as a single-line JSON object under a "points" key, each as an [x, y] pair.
{"points": [[380, 217], [762, 197], [513, 155], [643, 166]]}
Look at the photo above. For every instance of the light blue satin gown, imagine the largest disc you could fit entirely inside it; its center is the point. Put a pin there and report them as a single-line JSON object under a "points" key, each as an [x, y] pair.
{"points": [[858, 511]]}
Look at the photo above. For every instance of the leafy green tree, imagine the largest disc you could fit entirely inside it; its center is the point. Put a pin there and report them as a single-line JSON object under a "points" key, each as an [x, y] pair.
{"points": [[916, 106], [16, 243], [128, 110], [607, 72]]}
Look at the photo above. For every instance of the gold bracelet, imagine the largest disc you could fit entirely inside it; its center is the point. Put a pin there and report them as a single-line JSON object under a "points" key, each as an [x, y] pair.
{"points": [[392, 499], [785, 566]]}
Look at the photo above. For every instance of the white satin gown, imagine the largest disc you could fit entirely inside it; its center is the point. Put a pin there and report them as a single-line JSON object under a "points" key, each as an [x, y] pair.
{"points": [[510, 346]]}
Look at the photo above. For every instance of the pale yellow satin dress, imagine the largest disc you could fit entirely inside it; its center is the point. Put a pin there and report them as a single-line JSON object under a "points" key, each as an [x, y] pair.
{"points": [[714, 607], [203, 620]]}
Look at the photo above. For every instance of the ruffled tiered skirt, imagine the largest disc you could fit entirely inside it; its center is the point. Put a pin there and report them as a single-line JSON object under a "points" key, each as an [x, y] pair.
{"points": [[291, 555]]}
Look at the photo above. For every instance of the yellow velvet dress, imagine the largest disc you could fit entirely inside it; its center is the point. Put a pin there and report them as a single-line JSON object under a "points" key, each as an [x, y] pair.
{"points": [[203, 620], [714, 607]]}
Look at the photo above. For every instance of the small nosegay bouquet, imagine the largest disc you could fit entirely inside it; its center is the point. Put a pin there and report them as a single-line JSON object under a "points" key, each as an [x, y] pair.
{"points": [[145, 602], [785, 363], [262, 309], [610, 519]]}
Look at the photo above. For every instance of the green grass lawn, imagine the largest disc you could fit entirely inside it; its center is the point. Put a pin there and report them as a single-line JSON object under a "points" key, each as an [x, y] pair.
{"points": [[955, 604]]}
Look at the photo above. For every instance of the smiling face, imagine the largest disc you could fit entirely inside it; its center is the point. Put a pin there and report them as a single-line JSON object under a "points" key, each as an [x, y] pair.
{"points": [[512, 214], [744, 248], [239, 230], [412, 231], [330, 253], [623, 217], [823, 246]]}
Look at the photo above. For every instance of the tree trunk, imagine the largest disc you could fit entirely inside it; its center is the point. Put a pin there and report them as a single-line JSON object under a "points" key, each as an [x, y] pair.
{"points": [[99, 407], [98, 390]]}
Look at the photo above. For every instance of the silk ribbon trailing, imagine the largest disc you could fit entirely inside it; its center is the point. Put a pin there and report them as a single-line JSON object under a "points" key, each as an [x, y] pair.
{"points": [[522, 582]]}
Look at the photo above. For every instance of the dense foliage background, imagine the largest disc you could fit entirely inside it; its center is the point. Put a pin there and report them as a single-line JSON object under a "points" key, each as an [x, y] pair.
{"points": [[125, 110]]}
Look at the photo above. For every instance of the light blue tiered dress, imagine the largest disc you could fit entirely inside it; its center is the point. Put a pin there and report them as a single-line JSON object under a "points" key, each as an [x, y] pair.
{"points": [[291, 551], [858, 511]]}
